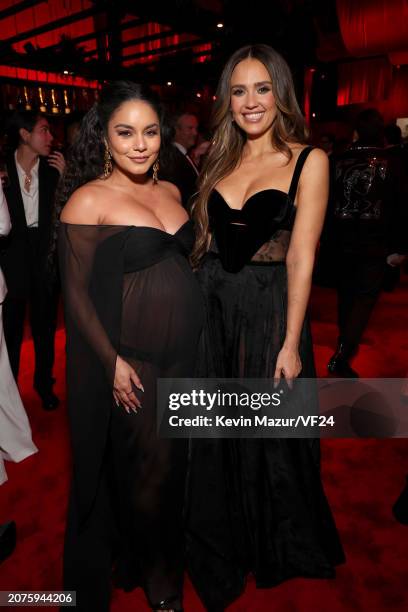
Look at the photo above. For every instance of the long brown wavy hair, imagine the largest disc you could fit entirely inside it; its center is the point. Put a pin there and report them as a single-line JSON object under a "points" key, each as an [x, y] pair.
{"points": [[228, 139]]}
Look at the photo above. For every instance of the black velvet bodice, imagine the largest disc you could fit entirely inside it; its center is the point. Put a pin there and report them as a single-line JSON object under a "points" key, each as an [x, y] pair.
{"points": [[259, 232], [240, 233]]}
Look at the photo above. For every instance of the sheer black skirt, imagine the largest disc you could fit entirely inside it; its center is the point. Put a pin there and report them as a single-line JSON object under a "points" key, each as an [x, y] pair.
{"points": [[255, 506]]}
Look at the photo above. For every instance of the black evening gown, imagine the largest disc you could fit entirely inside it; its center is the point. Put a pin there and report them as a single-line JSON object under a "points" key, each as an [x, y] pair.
{"points": [[127, 291], [255, 506]]}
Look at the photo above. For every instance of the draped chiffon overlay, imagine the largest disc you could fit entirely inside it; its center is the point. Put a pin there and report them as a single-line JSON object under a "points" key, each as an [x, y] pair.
{"points": [[255, 506], [128, 291]]}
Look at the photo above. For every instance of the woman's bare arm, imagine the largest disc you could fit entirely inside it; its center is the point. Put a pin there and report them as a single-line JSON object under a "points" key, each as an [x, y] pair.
{"points": [[311, 208]]}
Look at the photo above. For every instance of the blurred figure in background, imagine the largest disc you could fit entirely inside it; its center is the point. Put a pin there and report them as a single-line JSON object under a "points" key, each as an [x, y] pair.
{"points": [[199, 152], [369, 230], [179, 168], [33, 172], [15, 433], [72, 128], [327, 142]]}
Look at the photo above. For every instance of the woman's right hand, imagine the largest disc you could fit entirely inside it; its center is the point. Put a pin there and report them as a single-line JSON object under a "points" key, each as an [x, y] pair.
{"points": [[125, 375]]}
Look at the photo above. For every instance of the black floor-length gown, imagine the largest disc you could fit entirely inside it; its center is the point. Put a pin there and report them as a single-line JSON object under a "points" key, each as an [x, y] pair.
{"points": [[255, 506], [127, 291]]}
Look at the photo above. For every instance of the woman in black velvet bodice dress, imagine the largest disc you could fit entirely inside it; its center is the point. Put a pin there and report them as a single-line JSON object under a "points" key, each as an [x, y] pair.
{"points": [[257, 506], [133, 313]]}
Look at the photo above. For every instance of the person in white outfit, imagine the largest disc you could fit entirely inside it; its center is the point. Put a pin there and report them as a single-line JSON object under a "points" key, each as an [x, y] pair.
{"points": [[15, 433]]}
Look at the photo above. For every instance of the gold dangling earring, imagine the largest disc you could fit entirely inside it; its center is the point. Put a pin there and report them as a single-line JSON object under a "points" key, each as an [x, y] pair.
{"points": [[156, 167], [108, 166]]}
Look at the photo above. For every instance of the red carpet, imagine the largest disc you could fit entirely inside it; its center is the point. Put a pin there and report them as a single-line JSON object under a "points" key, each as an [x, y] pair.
{"points": [[362, 479]]}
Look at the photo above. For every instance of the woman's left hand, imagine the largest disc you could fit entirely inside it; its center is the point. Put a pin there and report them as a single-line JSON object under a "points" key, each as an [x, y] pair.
{"points": [[288, 365]]}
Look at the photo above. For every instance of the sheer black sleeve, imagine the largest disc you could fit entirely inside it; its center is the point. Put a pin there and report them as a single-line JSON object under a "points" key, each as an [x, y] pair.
{"points": [[91, 266], [78, 247]]}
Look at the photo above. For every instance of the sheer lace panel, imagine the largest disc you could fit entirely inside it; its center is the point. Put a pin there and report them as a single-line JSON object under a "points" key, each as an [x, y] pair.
{"points": [[275, 249]]}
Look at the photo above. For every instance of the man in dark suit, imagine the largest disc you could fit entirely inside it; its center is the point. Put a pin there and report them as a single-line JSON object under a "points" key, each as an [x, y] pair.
{"points": [[33, 173], [179, 168]]}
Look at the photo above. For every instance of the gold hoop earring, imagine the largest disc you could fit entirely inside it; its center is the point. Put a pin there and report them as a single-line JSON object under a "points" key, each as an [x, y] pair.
{"points": [[156, 167], [107, 166]]}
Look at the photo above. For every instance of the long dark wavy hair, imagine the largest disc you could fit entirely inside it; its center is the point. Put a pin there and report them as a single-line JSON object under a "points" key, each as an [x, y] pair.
{"points": [[228, 139], [85, 160]]}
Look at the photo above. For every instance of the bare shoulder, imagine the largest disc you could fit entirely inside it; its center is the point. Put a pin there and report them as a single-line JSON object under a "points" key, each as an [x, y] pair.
{"points": [[317, 157], [314, 182], [84, 205], [316, 166], [170, 190], [315, 153]]}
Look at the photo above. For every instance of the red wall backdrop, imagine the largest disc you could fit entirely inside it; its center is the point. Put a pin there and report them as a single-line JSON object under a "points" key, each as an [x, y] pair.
{"points": [[373, 28]]}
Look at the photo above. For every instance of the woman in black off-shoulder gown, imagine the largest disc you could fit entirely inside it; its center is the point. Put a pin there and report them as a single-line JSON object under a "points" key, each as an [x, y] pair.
{"points": [[143, 296], [256, 505], [133, 314]]}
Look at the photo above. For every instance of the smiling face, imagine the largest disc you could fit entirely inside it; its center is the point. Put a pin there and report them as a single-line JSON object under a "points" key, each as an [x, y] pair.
{"points": [[133, 137], [253, 104]]}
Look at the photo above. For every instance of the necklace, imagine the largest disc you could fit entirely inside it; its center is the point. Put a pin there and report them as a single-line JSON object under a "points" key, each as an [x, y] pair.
{"points": [[27, 182]]}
